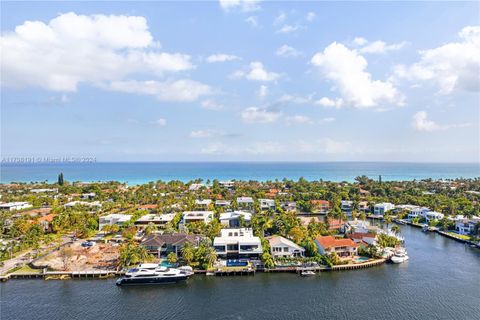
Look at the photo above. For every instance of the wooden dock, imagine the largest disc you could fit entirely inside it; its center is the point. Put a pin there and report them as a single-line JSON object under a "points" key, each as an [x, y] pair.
{"points": [[62, 275], [355, 266]]}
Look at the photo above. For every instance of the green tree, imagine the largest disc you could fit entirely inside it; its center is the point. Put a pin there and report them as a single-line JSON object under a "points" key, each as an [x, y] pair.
{"points": [[60, 179], [172, 258]]}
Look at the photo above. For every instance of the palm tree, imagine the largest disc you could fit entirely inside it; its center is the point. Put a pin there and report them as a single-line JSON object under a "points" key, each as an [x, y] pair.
{"points": [[396, 229], [188, 253], [211, 257]]}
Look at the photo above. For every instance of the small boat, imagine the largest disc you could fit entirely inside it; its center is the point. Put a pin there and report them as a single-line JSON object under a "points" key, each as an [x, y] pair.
{"points": [[151, 273], [307, 273], [399, 256]]}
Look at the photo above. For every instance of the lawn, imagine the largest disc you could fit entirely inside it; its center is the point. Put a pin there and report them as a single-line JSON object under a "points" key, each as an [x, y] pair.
{"points": [[460, 236]]}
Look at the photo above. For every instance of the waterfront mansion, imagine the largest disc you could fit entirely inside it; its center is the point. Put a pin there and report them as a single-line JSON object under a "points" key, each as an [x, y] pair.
{"points": [[237, 243]]}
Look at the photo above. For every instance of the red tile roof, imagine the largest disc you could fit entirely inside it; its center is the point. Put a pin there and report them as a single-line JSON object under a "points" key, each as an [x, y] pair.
{"points": [[47, 218], [360, 236], [331, 242], [148, 206]]}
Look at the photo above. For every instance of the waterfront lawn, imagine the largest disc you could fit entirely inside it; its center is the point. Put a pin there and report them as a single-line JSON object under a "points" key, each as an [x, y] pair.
{"points": [[460, 236], [25, 269]]}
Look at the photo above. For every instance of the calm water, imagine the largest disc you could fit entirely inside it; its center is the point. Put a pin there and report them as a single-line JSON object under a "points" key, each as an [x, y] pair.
{"points": [[136, 173], [440, 281]]}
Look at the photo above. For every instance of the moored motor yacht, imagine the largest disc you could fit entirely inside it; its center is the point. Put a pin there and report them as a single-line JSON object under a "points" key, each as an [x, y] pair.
{"points": [[151, 273], [399, 256]]}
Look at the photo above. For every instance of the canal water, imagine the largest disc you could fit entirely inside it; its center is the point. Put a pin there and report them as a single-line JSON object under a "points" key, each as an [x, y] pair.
{"points": [[440, 281]]}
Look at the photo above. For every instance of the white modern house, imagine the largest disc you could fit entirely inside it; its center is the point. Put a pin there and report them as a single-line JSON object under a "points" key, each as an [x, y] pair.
{"points": [[360, 226], [203, 203], [267, 204], [227, 184], [195, 186], [232, 219], [52, 190], [417, 212], [12, 206], [88, 196], [195, 216], [381, 208], [289, 206], [93, 205], [237, 243], [433, 216], [346, 206], [159, 220], [223, 204], [281, 247], [245, 203], [113, 219], [466, 226]]}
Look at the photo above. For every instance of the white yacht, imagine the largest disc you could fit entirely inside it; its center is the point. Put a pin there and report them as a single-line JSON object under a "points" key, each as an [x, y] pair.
{"points": [[152, 273], [399, 256]]}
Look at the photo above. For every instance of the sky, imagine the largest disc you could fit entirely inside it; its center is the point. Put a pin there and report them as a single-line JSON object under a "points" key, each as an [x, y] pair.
{"points": [[241, 81]]}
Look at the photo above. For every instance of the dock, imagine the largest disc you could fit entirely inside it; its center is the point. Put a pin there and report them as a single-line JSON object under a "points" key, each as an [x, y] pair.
{"points": [[358, 265], [62, 275]]}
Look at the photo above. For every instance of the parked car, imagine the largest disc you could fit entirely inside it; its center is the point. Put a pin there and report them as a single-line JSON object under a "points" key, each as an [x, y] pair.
{"points": [[88, 244]]}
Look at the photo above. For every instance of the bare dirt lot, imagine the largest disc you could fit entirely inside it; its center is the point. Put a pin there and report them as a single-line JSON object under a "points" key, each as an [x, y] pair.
{"points": [[77, 258]]}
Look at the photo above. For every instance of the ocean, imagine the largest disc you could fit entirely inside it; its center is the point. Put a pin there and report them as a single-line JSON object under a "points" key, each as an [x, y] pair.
{"points": [[142, 172]]}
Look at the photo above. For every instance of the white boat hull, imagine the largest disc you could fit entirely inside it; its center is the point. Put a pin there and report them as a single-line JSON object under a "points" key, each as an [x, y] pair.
{"points": [[397, 260]]}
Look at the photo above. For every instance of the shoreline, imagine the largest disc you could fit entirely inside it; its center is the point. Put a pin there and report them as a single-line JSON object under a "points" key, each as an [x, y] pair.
{"points": [[106, 274]]}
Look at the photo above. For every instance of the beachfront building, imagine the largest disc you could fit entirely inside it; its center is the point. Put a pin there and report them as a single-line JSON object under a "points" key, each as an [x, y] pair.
{"points": [[195, 216], [320, 206], [225, 204], [347, 207], [267, 204], [381, 209], [281, 247], [345, 248], [113, 219], [237, 243], [203, 204], [13, 206], [159, 220], [233, 219], [163, 244], [245, 203]]}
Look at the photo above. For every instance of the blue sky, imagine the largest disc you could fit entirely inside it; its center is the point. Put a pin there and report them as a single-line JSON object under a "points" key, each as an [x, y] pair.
{"points": [[191, 81]]}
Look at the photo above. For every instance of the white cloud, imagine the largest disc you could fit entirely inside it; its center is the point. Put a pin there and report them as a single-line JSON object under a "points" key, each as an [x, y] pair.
{"points": [[327, 120], [298, 119], [288, 29], [161, 122], [178, 91], [72, 49], [287, 98], [287, 51], [252, 21], [359, 41], [420, 122], [202, 133], [310, 16], [256, 72], [327, 102], [256, 148], [263, 91], [242, 5], [452, 66], [221, 57], [257, 115], [211, 105], [347, 70], [280, 18], [381, 47]]}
